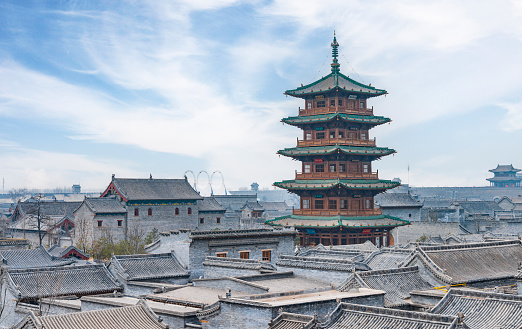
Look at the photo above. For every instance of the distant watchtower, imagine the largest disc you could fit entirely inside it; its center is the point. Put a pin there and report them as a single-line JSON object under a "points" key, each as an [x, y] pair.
{"points": [[505, 176]]}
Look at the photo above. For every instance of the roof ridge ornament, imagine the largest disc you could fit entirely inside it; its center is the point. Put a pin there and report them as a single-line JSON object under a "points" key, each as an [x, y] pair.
{"points": [[335, 63]]}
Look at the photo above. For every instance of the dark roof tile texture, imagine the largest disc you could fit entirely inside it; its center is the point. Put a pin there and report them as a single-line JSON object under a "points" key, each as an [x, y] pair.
{"points": [[62, 281], [149, 266], [30, 258], [396, 200], [398, 283], [384, 258], [107, 205], [155, 189], [351, 316], [129, 317], [210, 204], [477, 261], [482, 310]]}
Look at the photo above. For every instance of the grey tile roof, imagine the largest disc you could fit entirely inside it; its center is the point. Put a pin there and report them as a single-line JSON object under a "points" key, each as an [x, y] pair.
{"points": [[30, 258], [328, 264], [479, 207], [49, 208], [292, 321], [60, 252], [331, 81], [148, 266], [387, 258], [466, 263], [251, 264], [398, 283], [396, 200], [61, 281], [107, 205], [155, 189], [139, 316], [210, 204], [504, 168], [233, 203], [482, 310], [352, 316]]}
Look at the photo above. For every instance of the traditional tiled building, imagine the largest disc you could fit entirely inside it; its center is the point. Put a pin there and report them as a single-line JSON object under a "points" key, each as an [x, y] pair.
{"points": [[166, 204], [505, 176], [352, 316], [337, 184], [485, 264], [139, 316], [24, 288], [398, 283], [31, 258], [136, 271], [482, 310]]}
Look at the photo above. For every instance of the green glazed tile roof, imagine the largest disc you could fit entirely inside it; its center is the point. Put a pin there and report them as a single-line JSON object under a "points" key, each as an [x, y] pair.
{"points": [[337, 221], [336, 80], [324, 184], [368, 119], [322, 150]]}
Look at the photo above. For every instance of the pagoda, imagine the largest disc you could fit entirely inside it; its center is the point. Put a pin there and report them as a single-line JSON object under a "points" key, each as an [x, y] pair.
{"points": [[504, 176], [336, 184]]}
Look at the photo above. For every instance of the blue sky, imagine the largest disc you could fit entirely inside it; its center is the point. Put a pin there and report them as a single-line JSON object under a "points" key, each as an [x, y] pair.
{"points": [[89, 88]]}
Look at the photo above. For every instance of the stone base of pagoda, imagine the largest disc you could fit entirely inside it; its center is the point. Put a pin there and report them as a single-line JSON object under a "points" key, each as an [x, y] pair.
{"points": [[340, 230]]}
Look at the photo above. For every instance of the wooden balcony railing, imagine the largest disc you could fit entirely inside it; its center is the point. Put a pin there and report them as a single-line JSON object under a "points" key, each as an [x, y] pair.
{"points": [[336, 175], [340, 141], [335, 212], [333, 109]]}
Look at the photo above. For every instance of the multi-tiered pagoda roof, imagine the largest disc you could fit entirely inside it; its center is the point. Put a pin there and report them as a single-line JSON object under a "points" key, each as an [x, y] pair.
{"points": [[336, 185]]}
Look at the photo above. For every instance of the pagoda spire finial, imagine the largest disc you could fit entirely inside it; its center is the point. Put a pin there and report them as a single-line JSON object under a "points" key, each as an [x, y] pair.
{"points": [[335, 52]]}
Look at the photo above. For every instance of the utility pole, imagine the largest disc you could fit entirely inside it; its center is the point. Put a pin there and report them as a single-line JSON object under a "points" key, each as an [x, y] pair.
{"points": [[40, 237]]}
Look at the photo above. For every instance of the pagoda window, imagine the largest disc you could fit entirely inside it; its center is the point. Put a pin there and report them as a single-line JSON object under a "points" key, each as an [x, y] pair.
{"points": [[363, 136], [319, 135], [176, 211], [361, 105], [100, 223], [189, 211], [319, 204], [136, 212], [368, 204], [319, 167], [332, 167], [308, 136], [366, 168], [306, 204], [341, 134], [344, 204], [149, 212], [307, 168], [120, 223], [340, 102], [332, 134], [202, 220], [218, 220], [321, 103], [309, 105], [332, 204], [332, 102], [342, 167]]}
